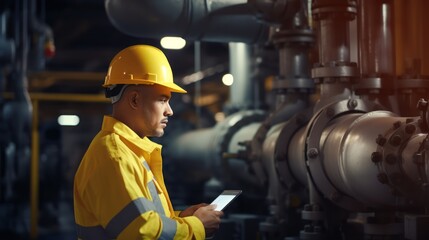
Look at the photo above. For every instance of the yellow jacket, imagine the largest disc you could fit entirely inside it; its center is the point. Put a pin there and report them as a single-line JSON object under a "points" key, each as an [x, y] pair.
{"points": [[119, 190]]}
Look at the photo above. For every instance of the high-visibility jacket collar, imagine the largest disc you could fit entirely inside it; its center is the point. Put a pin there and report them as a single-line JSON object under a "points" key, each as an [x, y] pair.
{"points": [[111, 124]]}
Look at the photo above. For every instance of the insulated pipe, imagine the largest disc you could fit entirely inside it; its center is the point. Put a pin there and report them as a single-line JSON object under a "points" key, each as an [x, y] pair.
{"points": [[195, 20]]}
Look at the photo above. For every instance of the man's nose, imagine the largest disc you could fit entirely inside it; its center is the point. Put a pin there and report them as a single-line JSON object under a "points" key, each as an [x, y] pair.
{"points": [[169, 110]]}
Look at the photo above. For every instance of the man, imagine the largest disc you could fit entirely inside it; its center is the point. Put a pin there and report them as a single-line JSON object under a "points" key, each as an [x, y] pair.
{"points": [[119, 190]]}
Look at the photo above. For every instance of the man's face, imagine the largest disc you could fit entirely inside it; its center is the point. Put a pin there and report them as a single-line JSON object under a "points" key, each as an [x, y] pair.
{"points": [[153, 110]]}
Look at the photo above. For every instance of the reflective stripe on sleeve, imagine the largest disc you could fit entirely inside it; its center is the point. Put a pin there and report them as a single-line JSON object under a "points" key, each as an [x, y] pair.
{"points": [[127, 215], [118, 222], [169, 228]]}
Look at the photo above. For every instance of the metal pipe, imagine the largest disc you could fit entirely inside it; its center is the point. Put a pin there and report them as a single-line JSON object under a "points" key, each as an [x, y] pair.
{"points": [[215, 151], [242, 91], [333, 18], [364, 156], [376, 38], [412, 36], [216, 21], [335, 71], [412, 54], [195, 149]]}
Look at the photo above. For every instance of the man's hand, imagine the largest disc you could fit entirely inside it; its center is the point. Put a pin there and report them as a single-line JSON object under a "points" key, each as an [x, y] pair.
{"points": [[191, 210], [209, 217]]}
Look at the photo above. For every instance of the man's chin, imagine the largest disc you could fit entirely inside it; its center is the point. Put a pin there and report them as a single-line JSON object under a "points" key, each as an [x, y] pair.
{"points": [[159, 133], [156, 133]]}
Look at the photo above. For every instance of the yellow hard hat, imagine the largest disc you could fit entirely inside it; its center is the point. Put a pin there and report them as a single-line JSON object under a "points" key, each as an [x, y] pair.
{"points": [[141, 64]]}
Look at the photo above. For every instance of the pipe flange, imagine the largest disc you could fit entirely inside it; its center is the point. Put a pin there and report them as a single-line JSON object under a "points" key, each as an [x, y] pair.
{"points": [[324, 10], [314, 156], [390, 162], [226, 130], [336, 70], [301, 84], [303, 36], [283, 170], [374, 83]]}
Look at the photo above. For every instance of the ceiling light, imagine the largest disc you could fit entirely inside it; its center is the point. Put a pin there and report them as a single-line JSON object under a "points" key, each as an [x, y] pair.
{"points": [[68, 120], [173, 42], [228, 79]]}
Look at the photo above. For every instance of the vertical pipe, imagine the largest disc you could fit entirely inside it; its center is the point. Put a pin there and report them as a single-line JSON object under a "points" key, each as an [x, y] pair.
{"points": [[242, 92], [335, 71], [411, 48], [376, 38], [34, 180], [333, 27], [412, 36]]}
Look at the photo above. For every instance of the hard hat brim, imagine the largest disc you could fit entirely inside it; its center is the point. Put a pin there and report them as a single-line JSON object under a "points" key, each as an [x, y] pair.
{"points": [[172, 86]]}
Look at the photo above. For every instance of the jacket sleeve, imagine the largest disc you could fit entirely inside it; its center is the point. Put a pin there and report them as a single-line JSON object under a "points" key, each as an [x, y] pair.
{"points": [[117, 194]]}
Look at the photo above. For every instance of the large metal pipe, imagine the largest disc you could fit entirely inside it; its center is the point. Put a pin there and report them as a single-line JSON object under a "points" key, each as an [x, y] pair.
{"points": [[356, 159], [216, 21], [215, 151]]}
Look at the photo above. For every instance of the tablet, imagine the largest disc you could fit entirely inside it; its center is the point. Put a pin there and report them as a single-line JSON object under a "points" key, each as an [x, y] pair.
{"points": [[225, 198]]}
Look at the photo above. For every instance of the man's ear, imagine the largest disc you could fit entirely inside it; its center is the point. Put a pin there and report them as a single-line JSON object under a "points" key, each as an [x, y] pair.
{"points": [[133, 97]]}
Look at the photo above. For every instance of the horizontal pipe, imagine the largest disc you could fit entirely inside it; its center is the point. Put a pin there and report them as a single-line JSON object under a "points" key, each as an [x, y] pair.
{"points": [[194, 20]]}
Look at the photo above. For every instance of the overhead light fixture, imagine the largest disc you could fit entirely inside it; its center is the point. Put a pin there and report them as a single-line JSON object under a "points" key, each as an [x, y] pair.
{"points": [[228, 79], [68, 120], [173, 43]]}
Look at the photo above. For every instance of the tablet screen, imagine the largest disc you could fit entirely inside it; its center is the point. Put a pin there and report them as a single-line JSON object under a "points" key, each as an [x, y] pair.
{"points": [[225, 198]]}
